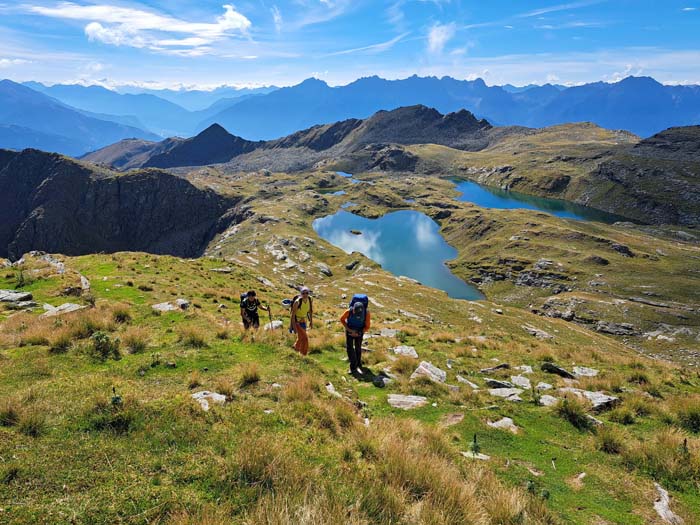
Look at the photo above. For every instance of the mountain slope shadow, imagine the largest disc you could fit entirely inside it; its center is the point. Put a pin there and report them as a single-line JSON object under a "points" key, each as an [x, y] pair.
{"points": [[52, 203]]}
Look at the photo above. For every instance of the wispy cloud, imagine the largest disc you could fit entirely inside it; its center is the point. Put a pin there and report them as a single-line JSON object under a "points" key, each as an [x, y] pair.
{"points": [[371, 49], [277, 18], [438, 37], [689, 9], [139, 28], [559, 7]]}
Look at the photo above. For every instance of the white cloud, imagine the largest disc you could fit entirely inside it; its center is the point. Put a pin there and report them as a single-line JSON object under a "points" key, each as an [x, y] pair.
{"points": [[126, 26], [688, 9], [559, 7], [9, 62], [277, 18], [438, 36]]}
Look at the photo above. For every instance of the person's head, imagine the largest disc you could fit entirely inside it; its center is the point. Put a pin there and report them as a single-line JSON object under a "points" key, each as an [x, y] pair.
{"points": [[251, 294], [305, 292]]}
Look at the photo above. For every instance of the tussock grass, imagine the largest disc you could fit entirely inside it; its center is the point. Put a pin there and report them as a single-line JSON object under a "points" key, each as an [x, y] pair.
{"points": [[687, 413], [32, 422], [610, 440], [61, 341], [250, 375], [194, 380], [405, 365], [192, 337], [669, 455], [121, 315], [9, 413], [136, 339], [575, 412], [302, 388]]}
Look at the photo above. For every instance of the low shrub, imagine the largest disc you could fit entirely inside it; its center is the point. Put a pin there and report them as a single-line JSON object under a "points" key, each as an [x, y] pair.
{"points": [[688, 414], [103, 347]]}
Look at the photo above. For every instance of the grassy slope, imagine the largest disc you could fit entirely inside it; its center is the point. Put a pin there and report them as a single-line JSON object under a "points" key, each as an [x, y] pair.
{"points": [[172, 463]]}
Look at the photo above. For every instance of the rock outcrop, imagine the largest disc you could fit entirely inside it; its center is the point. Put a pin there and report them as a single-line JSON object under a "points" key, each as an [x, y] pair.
{"points": [[52, 203]]}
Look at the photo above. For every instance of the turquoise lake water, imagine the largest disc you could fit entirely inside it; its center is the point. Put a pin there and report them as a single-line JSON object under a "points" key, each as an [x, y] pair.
{"points": [[404, 242], [488, 197]]}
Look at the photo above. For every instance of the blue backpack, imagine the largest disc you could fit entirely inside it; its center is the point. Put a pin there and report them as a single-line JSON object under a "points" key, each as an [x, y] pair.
{"points": [[358, 322]]}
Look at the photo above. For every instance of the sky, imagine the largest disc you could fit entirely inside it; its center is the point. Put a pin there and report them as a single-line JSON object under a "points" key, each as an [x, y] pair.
{"points": [[203, 43]]}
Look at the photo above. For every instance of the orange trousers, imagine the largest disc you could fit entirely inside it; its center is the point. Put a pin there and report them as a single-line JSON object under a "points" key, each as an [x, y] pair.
{"points": [[302, 343]]}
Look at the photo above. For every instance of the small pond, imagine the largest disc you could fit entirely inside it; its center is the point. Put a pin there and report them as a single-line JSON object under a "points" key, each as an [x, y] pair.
{"points": [[404, 242]]}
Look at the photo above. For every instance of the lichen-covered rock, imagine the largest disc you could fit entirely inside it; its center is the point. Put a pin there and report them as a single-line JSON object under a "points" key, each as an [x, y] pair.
{"points": [[406, 402], [430, 371]]}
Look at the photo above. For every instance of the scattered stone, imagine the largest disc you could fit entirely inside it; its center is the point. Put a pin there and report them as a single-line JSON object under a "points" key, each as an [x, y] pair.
{"points": [[582, 371], [274, 325], [449, 420], [497, 383], [351, 265], [225, 269], [498, 311], [555, 369], [165, 307], [430, 371], [577, 481], [204, 397], [539, 334], [388, 332], [521, 381], [663, 508], [594, 421], [622, 249], [599, 400], [182, 304], [170, 364], [406, 402], [547, 400], [265, 282], [510, 394], [449, 363], [381, 380], [407, 351], [477, 455], [502, 366], [543, 386], [331, 390], [10, 296], [324, 269], [505, 423], [65, 308], [268, 411], [466, 381], [84, 283], [276, 385], [524, 369]]}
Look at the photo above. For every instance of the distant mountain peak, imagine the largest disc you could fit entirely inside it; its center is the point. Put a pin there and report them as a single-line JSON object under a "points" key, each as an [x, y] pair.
{"points": [[215, 130]]}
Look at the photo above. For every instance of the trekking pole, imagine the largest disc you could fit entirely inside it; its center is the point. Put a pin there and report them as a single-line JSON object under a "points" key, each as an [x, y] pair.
{"points": [[269, 313]]}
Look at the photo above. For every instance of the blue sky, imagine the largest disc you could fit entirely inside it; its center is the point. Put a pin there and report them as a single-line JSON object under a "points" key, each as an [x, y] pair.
{"points": [[207, 43]]}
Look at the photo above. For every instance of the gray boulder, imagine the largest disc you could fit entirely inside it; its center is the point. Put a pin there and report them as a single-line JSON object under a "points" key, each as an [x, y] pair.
{"points": [[406, 402], [430, 371], [497, 383], [10, 296], [556, 369]]}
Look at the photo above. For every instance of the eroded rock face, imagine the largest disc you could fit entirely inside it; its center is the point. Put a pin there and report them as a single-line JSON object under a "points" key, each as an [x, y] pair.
{"points": [[51, 203]]}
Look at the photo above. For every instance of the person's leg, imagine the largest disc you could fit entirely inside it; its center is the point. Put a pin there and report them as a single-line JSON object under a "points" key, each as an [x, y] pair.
{"points": [[246, 324], [255, 321], [358, 351], [349, 341], [302, 343]]}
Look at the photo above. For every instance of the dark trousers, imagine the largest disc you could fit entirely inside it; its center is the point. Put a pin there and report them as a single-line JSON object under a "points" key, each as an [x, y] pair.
{"points": [[253, 320], [354, 348]]}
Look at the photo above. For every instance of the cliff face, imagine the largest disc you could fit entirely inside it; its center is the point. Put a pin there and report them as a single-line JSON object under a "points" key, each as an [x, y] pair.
{"points": [[48, 202]]}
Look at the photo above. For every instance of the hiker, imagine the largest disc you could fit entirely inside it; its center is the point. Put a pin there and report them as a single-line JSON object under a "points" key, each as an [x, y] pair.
{"points": [[302, 310], [356, 320], [249, 310]]}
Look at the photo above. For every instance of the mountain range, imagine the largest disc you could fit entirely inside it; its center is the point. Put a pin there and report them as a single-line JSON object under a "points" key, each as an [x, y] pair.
{"points": [[32, 119], [636, 104]]}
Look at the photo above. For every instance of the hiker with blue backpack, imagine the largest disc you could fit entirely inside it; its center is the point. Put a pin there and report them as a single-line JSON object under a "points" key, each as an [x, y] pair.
{"points": [[356, 320]]}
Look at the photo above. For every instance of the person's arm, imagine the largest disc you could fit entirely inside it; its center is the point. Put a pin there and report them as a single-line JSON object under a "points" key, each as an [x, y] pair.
{"points": [[367, 322], [344, 319]]}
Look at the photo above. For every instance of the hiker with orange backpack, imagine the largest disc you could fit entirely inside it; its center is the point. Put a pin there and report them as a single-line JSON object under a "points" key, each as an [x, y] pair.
{"points": [[356, 320]]}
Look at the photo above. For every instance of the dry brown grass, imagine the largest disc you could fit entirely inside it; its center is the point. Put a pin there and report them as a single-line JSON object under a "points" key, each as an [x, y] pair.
{"points": [[250, 375], [443, 337], [193, 337], [302, 388], [404, 365]]}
